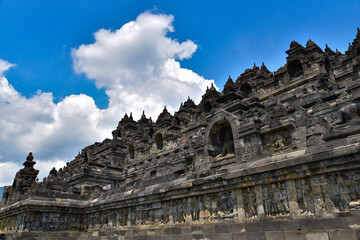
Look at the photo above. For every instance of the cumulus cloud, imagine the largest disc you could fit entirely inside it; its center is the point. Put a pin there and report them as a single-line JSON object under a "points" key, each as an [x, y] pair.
{"points": [[138, 65], [53, 132], [4, 66], [7, 172]]}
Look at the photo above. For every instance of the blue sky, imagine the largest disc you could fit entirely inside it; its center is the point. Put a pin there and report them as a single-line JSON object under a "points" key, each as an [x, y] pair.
{"points": [[38, 35], [52, 75]]}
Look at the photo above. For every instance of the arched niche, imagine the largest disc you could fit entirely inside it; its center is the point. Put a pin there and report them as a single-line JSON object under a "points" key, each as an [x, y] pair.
{"points": [[245, 90], [207, 107], [159, 141], [132, 151], [151, 132], [221, 139], [295, 69]]}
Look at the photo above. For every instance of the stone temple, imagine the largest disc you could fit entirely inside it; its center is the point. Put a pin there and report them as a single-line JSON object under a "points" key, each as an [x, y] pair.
{"points": [[275, 155]]}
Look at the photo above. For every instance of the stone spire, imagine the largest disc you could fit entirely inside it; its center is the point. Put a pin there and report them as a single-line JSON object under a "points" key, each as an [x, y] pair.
{"points": [[164, 119], [126, 117], [229, 86], [165, 110], [53, 171], [229, 82], [263, 67], [29, 163], [310, 43], [294, 44], [328, 50]]}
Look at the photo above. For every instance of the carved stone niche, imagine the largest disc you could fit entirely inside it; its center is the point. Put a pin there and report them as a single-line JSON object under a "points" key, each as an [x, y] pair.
{"points": [[277, 137], [295, 69], [221, 140]]}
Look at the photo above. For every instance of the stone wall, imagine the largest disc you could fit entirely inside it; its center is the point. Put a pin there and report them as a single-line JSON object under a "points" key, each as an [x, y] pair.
{"points": [[292, 189], [275, 229]]}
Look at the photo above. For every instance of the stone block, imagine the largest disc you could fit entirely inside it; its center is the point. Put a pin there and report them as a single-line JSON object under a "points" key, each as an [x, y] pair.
{"points": [[186, 237], [331, 223], [294, 235], [293, 225], [121, 232], [152, 237], [105, 233], [256, 236], [234, 228], [224, 236], [186, 230], [341, 234], [167, 237], [196, 229], [197, 236], [221, 229], [239, 236], [144, 237], [211, 236], [254, 226], [271, 226], [274, 235], [172, 231], [317, 236]]}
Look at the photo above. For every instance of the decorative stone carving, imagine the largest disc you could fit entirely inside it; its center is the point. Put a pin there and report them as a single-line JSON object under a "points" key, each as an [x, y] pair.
{"points": [[250, 203], [304, 196]]}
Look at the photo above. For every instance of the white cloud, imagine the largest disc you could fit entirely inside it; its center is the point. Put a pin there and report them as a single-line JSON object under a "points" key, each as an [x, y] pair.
{"points": [[53, 132], [4, 66], [138, 65], [7, 172]]}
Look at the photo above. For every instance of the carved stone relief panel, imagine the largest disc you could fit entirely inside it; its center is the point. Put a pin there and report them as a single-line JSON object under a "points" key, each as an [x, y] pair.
{"points": [[251, 146], [178, 210], [278, 141], [250, 202], [195, 208], [304, 196], [275, 199], [226, 204], [339, 191]]}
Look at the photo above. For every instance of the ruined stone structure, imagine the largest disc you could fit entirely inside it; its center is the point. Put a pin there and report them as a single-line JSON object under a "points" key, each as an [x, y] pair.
{"points": [[275, 155]]}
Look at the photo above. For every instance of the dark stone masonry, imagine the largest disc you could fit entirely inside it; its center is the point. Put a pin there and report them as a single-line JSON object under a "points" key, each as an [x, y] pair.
{"points": [[276, 155]]}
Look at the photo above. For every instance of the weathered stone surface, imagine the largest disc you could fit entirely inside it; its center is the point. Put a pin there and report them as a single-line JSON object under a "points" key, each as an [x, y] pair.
{"points": [[273, 156], [342, 234], [274, 235]]}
